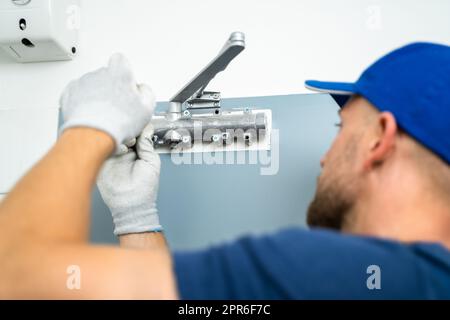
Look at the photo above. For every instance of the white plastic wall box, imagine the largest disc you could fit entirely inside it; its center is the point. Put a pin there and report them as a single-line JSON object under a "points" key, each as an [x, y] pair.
{"points": [[39, 30]]}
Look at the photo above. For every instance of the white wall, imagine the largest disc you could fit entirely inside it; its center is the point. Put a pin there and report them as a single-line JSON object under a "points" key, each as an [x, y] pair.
{"points": [[168, 41]]}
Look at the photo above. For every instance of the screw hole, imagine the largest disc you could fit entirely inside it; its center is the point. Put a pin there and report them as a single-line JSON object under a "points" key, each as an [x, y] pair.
{"points": [[74, 50], [22, 24], [217, 112], [27, 43]]}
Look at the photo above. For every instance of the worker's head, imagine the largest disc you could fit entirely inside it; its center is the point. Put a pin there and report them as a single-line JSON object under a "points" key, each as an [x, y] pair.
{"points": [[395, 123], [369, 152]]}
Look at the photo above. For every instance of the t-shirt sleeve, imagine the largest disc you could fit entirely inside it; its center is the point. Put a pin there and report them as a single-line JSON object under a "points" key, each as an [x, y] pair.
{"points": [[300, 264]]}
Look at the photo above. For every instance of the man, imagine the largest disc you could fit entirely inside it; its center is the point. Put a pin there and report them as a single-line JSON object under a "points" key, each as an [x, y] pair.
{"points": [[384, 195]]}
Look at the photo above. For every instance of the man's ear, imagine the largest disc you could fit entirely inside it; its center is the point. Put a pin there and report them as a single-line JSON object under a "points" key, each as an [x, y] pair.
{"points": [[383, 142]]}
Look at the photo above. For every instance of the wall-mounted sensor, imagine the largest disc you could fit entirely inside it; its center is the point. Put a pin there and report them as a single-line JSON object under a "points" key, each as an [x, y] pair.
{"points": [[40, 30]]}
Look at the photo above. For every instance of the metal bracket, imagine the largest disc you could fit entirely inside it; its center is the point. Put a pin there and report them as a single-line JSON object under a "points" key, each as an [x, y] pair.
{"points": [[208, 100], [192, 107], [194, 92]]}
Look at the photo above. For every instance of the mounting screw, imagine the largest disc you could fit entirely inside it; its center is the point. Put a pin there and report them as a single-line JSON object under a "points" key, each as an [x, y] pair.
{"points": [[225, 136], [247, 138], [186, 113], [22, 24]]}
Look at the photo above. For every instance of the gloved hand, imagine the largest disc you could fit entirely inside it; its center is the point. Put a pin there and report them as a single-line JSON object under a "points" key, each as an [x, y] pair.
{"points": [[109, 100], [129, 184]]}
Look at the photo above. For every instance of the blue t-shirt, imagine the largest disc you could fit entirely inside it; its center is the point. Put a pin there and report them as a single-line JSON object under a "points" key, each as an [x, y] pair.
{"points": [[317, 264]]}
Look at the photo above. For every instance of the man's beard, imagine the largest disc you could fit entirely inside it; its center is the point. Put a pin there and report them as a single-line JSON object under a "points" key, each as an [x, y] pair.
{"points": [[330, 208], [336, 193]]}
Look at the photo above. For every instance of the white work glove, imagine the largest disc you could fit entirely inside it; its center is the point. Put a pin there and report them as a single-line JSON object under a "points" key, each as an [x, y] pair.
{"points": [[109, 100], [129, 184]]}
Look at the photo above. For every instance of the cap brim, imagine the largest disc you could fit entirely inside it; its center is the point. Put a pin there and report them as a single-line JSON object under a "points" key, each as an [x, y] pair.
{"points": [[340, 91]]}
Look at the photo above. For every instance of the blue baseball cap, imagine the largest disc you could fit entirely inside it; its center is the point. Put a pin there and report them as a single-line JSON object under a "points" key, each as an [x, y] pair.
{"points": [[413, 83]]}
